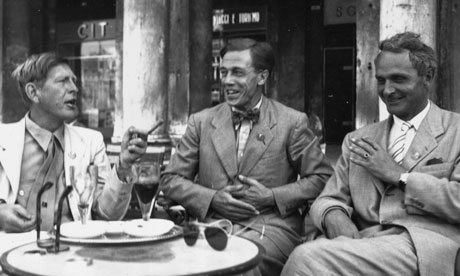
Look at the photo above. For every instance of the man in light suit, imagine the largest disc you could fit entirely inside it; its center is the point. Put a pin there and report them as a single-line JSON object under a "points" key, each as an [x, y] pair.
{"points": [[249, 171], [392, 210], [47, 86]]}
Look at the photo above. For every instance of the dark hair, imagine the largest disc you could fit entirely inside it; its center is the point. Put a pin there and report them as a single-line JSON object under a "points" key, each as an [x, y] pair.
{"points": [[262, 55], [422, 56], [35, 69]]}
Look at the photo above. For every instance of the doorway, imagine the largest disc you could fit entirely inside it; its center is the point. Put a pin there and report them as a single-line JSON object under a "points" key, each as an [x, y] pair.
{"points": [[339, 87]]}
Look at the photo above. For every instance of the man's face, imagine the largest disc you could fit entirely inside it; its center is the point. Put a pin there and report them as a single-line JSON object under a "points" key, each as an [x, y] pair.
{"points": [[240, 79], [57, 97], [404, 92]]}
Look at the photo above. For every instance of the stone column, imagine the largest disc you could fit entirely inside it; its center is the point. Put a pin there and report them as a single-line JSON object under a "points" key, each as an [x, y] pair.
{"points": [[1, 61], [16, 47], [200, 34], [179, 68], [145, 67], [407, 15], [367, 40], [448, 82]]}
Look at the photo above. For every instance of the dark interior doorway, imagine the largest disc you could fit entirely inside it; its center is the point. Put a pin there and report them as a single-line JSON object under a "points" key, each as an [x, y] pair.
{"points": [[338, 90]]}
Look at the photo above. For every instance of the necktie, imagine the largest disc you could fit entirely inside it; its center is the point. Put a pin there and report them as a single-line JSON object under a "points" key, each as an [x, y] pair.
{"points": [[250, 115], [396, 149], [51, 171], [243, 122]]}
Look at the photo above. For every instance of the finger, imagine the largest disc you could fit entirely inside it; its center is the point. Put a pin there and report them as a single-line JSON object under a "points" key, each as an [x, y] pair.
{"points": [[370, 143], [359, 152], [361, 145], [247, 180], [243, 207], [366, 144], [22, 213], [233, 188]]}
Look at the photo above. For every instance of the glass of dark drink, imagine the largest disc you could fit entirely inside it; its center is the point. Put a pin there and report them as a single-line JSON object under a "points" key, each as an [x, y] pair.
{"points": [[146, 179]]}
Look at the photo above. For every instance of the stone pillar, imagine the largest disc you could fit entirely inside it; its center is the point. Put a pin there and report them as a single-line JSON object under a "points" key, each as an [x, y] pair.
{"points": [[179, 68], [145, 67], [1, 61], [367, 40], [448, 82], [407, 15], [200, 35], [16, 47]]}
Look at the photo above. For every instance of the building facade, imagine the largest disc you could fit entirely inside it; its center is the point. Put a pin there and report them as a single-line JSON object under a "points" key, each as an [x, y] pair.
{"points": [[140, 61]]}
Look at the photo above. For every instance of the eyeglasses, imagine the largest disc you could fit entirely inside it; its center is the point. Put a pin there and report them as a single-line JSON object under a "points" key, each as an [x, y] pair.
{"points": [[216, 233]]}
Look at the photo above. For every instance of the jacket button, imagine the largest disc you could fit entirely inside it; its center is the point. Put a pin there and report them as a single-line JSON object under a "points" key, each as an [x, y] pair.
{"points": [[21, 192], [416, 156]]}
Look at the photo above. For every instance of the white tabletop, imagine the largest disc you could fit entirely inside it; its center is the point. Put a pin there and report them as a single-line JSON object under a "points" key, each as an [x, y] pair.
{"points": [[171, 257]]}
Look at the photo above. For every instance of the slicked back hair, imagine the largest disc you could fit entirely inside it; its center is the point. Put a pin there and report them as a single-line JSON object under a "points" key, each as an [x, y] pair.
{"points": [[422, 56], [262, 55], [35, 69]]}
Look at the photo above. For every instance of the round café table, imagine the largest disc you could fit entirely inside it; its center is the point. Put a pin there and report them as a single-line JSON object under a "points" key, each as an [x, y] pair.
{"points": [[164, 257]]}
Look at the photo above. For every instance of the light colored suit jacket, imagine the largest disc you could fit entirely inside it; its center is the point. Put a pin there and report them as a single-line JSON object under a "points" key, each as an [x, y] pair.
{"points": [[430, 206], [82, 146], [280, 148]]}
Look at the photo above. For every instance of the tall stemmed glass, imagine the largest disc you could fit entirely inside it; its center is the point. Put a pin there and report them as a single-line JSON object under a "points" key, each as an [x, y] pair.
{"points": [[84, 181], [146, 179]]}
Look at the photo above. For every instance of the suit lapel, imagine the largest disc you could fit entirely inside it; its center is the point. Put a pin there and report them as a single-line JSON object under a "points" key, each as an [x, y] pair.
{"points": [[259, 139], [381, 138], [12, 148], [425, 139], [223, 139]]}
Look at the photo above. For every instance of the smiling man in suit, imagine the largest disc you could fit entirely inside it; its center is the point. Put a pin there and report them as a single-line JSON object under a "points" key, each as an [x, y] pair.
{"points": [[393, 205], [41, 148], [251, 159]]}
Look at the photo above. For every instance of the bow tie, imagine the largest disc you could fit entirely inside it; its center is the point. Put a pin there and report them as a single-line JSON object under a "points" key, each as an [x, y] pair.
{"points": [[250, 115]]}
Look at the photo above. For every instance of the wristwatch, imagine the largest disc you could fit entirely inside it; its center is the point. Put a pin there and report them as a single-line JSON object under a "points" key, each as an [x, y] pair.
{"points": [[403, 181]]}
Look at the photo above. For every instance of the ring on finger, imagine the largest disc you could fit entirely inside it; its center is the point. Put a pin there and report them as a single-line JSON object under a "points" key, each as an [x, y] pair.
{"points": [[366, 155]]}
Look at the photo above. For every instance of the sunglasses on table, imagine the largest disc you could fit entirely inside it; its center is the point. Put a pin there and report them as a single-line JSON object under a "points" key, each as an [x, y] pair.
{"points": [[216, 233]]}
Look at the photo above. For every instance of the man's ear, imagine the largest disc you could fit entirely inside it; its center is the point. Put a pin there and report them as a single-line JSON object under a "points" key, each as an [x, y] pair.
{"points": [[263, 76], [429, 76], [32, 92]]}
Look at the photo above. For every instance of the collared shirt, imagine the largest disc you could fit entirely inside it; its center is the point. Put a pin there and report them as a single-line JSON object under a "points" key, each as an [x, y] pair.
{"points": [[242, 132], [36, 143], [395, 131]]}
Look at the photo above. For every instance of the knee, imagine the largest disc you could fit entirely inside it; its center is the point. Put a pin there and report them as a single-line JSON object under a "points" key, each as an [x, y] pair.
{"points": [[301, 259]]}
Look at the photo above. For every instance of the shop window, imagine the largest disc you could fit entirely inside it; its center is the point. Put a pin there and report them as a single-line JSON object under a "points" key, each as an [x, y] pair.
{"points": [[94, 64]]}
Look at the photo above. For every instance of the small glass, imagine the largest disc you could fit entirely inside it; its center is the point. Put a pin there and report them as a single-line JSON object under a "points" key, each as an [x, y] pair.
{"points": [[84, 182], [145, 177]]}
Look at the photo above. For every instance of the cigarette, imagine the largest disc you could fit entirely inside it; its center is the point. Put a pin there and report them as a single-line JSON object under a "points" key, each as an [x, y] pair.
{"points": [[155, 126]]}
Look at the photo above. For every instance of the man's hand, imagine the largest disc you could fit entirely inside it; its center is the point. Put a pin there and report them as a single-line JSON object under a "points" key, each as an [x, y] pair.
{"points": [[14, 218], [132, 148], [337, 223], [376, 160], [255, 193], [225, 204]]}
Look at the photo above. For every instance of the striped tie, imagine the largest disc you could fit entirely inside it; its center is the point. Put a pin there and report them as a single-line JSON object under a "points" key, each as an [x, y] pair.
{"points": [[396, 149]]}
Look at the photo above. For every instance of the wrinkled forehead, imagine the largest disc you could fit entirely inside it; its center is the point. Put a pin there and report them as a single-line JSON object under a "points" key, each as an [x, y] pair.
{"points": [[237, 59], [61, 70]]}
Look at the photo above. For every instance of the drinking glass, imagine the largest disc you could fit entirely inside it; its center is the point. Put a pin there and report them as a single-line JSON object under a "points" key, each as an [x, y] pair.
{"points": [[146, 179], [84, 181]]}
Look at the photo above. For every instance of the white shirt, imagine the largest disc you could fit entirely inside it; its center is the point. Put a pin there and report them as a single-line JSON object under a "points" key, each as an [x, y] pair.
{"points": [[395, 131]]}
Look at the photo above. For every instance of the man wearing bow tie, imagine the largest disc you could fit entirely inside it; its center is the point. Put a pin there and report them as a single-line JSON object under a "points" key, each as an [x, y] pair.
{"points": [[251, 159], [393, 205], [41, 147]]}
